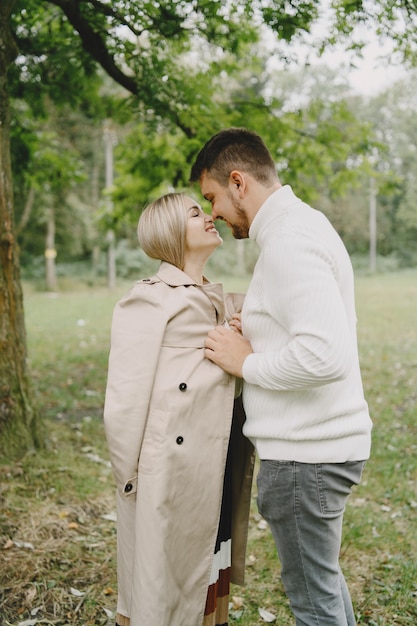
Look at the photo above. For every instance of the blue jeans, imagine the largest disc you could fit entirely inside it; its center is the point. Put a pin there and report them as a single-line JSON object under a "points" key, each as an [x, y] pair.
{"points": [[304, 505]]}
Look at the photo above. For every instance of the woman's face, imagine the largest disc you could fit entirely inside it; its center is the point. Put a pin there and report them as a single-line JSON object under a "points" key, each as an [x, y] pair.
{"points": [[201, 234]]}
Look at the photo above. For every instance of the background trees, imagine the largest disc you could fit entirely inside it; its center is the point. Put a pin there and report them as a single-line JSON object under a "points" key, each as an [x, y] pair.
{"points": [[183, 69]]}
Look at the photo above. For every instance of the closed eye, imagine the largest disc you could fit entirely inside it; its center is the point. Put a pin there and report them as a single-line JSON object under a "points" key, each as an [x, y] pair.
{"points": [[195, 211], [209, 198]]}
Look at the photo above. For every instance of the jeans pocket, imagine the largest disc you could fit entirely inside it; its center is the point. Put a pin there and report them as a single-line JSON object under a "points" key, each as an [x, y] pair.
{"points": [[274, 478], [335, 482]]}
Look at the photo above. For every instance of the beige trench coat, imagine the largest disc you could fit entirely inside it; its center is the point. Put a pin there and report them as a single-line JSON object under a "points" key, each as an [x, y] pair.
{"points": [[168, 419]]}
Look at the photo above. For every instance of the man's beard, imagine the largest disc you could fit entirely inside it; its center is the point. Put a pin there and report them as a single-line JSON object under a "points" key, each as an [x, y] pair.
{"points": [[240, 228], [239, 231]]}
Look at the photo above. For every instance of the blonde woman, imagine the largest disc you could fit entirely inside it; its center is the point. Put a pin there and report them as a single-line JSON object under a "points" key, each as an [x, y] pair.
{"points": [[183, 492]]}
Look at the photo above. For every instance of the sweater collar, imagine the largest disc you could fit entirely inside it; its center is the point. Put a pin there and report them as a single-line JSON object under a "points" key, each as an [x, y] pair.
{"points": [[274, 206]]}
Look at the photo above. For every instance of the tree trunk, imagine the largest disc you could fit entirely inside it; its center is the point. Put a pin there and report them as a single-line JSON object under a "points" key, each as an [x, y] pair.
{"points": [[50, 252], [110, 140], [20, 427]]}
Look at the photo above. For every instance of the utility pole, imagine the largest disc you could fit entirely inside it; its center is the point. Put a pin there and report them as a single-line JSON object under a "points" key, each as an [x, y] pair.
{"points": [[372, 225], [110, 140]]}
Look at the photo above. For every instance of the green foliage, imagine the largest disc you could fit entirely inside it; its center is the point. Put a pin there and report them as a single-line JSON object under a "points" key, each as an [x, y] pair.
{"points": [[318, 143], [55, 175], [184, 71], [288, 19], [394, 20], [149, 163], [52, 63]]}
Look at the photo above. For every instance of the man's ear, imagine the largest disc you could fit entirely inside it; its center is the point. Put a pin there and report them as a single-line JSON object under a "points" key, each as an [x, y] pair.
{"points": [[237, 182]]}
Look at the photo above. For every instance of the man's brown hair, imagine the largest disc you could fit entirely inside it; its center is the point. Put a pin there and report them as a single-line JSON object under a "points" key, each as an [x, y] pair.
{"points": [[234, 149]]}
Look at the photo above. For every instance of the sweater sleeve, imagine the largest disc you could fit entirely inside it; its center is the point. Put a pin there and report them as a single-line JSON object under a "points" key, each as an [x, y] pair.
{"points": [[306, 338], [138, 326]]}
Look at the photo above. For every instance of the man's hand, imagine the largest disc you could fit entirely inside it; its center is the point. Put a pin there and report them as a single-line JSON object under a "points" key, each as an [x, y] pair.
{"points": [[228, 349]]}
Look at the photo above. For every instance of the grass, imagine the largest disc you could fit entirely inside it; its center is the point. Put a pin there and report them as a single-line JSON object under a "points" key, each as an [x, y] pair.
{"points": [[57, 529]]}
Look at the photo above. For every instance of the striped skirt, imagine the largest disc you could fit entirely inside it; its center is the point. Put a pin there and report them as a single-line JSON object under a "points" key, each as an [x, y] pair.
{"points": [[217, 603]]}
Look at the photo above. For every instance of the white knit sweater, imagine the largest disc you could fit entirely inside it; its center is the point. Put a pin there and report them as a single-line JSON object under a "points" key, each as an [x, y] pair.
{"points": [[303, 392]]}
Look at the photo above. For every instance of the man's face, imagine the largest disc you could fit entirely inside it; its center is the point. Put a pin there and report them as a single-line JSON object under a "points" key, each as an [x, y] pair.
{"points": [[225, 205]]}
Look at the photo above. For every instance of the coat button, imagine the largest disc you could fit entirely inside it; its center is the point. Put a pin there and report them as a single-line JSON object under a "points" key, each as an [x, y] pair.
{"points": [[182, 386], [180, 440], [128, 487]]}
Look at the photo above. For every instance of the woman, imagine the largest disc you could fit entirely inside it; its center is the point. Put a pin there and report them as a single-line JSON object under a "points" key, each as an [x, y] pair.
{"points": [[169, 415]]}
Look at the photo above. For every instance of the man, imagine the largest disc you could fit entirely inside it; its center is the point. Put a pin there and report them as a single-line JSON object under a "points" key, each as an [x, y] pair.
{"points": [[303, 395]]}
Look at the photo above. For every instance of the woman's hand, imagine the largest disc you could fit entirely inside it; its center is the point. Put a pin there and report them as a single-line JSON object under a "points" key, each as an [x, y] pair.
{"points": [[235, 323]]}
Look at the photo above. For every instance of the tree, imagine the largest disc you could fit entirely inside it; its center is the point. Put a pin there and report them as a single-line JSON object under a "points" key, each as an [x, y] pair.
{"points": [[55, 47], [58, 163], [394, 118], [19, 420]]}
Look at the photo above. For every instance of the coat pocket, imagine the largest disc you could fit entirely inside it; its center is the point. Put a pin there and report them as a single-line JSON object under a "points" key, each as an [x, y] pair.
{"points": [[155, 435]]}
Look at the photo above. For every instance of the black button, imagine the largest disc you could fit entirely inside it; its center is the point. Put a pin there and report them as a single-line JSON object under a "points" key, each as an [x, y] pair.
{"points": [[182, 386], [180, 440], [128, 487]]}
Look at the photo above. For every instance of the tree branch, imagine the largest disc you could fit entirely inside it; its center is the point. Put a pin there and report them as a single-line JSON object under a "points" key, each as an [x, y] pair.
{"points": [[27, 211], [106, 9], [95, 46]]}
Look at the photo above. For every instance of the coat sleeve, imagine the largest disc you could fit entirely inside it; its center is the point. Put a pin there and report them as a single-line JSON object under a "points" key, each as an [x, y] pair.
{"points": [[138, 326]]}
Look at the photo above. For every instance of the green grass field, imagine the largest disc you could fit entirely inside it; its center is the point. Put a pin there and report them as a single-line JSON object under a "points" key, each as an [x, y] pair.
{"points": [[57, 528]]}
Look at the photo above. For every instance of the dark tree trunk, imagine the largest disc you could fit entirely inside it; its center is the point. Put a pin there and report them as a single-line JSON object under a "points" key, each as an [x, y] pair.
{"points": [[20, 427]]}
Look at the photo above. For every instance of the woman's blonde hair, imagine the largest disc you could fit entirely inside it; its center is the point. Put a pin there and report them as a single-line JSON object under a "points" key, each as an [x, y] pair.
{"points": [[162, 229]]}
